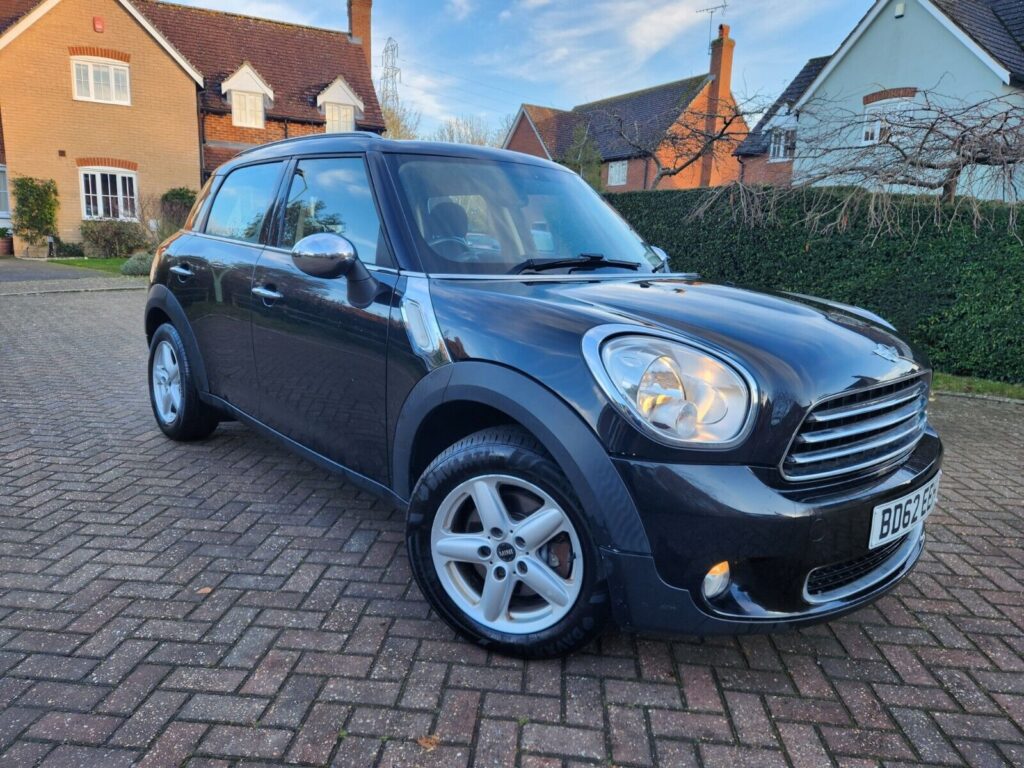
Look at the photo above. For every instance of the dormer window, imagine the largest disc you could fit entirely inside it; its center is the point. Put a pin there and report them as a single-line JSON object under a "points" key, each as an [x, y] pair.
{"points": [[101, 80], [340, 106], [247, 109], [249, 96]]}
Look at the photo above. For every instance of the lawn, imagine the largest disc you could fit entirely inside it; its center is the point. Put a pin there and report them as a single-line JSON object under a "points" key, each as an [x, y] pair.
{"points": [[110, 266], [944, 382]]}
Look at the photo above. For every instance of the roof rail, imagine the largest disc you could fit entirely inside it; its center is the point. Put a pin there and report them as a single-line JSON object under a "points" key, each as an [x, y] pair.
{"points": [[312, 136]]}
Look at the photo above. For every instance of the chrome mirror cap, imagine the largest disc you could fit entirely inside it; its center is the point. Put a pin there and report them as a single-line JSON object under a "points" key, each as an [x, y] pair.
{"points": [[325, 255]]}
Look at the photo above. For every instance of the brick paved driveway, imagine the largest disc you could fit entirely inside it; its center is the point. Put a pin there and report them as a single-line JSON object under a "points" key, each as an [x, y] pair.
{"points": [[226, 602]]}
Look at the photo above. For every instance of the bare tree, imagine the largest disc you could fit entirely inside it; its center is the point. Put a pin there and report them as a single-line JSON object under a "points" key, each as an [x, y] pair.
{"points": [[928, 143], [694, 133], [402, 121], [467, 129]]}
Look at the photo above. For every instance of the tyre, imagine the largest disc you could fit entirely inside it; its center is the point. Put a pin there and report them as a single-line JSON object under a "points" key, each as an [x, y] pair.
{"points": [[172, 389], [499, 547]]}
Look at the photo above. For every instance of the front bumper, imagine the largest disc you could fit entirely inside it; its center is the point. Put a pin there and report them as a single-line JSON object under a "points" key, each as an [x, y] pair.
{"points": [[772, 533]]}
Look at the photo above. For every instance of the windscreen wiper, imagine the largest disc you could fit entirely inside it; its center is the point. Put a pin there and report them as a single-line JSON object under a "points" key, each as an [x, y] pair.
{"points": [[583, 261]]}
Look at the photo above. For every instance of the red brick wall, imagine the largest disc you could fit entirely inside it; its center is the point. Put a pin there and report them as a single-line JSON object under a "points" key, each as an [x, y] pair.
{"points": [[220, 128], [524, 139], [758, 170]]}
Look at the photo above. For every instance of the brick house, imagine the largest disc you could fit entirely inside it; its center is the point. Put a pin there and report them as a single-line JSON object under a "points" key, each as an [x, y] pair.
{"points": [[144, 96], [654, 112]]}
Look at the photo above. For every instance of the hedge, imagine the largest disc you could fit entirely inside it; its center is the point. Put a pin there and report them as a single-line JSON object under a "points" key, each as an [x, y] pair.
{"points": [[953, 287]]}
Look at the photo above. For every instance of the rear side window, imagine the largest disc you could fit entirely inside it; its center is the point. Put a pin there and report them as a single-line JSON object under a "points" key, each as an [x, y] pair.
{"points": [[201, 200], [332, 194], [243, 201]]}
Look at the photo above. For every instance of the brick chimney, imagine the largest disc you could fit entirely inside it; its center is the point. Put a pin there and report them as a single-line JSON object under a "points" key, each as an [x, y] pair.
{"points": [[359, 25], [719, 91]]}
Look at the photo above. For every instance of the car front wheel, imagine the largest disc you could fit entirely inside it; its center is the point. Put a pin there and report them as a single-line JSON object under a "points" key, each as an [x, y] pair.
{"points": [[172, 389], [498, 545]]}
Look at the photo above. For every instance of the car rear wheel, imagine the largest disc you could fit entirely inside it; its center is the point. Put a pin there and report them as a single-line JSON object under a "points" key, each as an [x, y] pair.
{"points": [[179, 412], [498, 545]]}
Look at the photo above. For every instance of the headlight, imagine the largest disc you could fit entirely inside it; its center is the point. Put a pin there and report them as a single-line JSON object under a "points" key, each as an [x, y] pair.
{"points": [[676, 393]]}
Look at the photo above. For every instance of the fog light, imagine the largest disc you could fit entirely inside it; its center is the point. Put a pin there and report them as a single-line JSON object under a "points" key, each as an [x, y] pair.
{"points": [[717, 580]]}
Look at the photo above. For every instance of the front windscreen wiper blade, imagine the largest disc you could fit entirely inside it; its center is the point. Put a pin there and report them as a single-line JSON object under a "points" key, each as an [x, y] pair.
{"points": [[583, 261]]}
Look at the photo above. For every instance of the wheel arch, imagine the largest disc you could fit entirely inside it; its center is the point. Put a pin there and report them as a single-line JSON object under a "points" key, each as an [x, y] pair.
{"points": [[162, 307], [464, 397]]}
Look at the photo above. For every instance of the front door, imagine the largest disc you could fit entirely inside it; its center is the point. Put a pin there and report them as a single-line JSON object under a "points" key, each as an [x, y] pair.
{"points": [[211, 276], [320, 361]]}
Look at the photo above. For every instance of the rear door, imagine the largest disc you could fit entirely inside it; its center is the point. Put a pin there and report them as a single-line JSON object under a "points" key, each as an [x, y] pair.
{"points": [[321, 362], [211, 276]]}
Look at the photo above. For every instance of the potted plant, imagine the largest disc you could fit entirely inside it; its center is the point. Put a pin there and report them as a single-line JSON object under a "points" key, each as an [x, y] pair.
{"points": [[6, 242]]}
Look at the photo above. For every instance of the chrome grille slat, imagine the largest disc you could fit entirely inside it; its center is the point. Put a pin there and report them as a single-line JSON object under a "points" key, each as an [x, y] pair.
{"points": [[881, 440], [890, 419], [856, 432], [869, 406]]}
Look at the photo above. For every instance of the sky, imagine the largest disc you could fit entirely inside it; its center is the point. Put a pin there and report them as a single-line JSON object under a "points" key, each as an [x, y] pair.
{"points": [[483, 58]]}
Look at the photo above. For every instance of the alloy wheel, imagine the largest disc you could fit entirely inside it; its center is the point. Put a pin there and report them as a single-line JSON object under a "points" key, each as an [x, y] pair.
{"points": [[166, 375]]}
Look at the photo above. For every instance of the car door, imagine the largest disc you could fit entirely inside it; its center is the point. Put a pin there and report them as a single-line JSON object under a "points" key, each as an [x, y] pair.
{"points": [[320, 360], [211, 272]]}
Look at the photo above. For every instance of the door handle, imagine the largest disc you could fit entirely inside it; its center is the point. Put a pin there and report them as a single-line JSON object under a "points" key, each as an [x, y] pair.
{"points": [[267, 294], [182, 270]]}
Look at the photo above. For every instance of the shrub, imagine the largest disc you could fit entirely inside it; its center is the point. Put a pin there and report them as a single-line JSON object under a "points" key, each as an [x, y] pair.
{"points": [[35, 208], [113, 239], [953, 287], [138, 264], [4, 233], [175, 205], [69, 250]]}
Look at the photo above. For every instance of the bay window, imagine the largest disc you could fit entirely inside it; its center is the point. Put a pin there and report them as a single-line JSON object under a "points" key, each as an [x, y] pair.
{"points": [[107, 82], [109, 193]]}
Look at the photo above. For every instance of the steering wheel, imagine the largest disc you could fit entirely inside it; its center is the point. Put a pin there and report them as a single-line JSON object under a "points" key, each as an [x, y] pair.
{"points": [[453, 249]]}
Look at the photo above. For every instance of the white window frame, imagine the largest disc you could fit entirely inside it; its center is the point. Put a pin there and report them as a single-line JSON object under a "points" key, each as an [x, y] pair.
{"points": [[782, 147], [239, 118], [122, 176], [618, 173], [336, 118], [874, 117], [92, 64], [5, 195]]}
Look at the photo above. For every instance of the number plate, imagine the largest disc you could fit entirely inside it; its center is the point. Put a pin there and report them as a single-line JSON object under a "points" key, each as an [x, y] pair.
{"points": [[895, 518]]}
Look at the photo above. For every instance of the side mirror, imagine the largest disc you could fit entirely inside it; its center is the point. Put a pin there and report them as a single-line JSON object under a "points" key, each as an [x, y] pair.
{"points": [[329, 256]]}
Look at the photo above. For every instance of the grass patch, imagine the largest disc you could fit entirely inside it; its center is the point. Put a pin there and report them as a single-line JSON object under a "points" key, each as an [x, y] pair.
{"points": [[945, 382], [110, 266]]}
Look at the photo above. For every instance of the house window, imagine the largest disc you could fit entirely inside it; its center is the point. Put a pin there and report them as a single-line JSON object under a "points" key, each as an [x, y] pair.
{"points": [[109, 193], [5, 205], [340, 117], [883, 119], [247, 109], [783, 145], [617, 173], [100, 80]]}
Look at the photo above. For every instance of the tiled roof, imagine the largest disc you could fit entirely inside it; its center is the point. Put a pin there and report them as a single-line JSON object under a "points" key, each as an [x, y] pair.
{"points": [[995, 25], [757, 143], [648, 113], [296, 61]]}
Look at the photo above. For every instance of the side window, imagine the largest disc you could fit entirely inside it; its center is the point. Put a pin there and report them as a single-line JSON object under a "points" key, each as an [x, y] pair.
{"points": [[243, 201], [201, 200], [333, 195]]}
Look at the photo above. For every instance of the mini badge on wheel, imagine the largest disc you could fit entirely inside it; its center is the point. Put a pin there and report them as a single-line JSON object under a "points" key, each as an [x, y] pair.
{"points": [[506, 551]]}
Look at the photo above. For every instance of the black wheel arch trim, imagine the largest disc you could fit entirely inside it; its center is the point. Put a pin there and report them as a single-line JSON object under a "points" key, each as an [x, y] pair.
{"points": [[160, 298], [607, 503]]}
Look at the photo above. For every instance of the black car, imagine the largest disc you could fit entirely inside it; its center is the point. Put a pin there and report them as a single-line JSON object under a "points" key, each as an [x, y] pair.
{"points": [[576, 434]]}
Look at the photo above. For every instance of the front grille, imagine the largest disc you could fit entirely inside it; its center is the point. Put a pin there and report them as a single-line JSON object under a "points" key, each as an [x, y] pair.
{"points": [[836, 576], [860, 431]]}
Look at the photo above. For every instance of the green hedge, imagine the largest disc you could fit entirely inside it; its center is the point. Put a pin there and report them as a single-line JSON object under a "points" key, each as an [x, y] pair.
{"points": [[953, 287]]}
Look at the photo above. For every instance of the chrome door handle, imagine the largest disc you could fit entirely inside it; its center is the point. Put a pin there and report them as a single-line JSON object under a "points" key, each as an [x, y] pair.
{"points": [[182, 271], [266, 293]]}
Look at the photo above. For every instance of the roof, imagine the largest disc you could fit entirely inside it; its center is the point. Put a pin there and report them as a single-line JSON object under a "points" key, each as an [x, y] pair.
{"points": [[758, 141], [217, 43], [650, 112], [995, 25]]}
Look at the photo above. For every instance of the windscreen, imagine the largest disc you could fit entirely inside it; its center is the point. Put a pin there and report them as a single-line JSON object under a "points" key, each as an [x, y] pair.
{"points": [[493, 217]]}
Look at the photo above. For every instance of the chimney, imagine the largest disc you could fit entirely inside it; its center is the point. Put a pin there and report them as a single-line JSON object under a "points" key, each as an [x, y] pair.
{"points": [[359, 26], [719, 91]]}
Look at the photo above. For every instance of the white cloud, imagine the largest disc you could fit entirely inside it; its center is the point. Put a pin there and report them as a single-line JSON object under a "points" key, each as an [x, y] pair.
{"points": [[460, 9]]}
